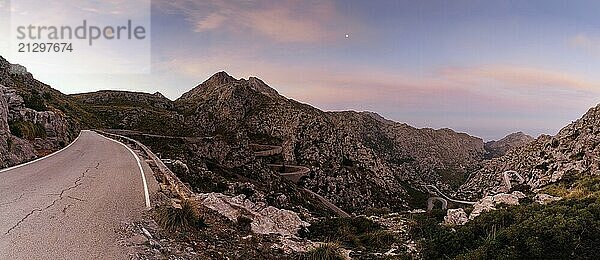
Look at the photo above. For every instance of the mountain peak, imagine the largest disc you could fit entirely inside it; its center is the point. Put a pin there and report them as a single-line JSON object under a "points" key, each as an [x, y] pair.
{"points": [[219, 78], [221, 81], [261, 86]]}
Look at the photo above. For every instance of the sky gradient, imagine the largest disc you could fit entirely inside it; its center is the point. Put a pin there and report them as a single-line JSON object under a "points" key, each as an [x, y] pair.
{"points": [[487, 68]]}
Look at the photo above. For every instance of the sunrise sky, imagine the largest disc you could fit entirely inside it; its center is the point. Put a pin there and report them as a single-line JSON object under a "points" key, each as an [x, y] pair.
{"points": [[483, 67]]}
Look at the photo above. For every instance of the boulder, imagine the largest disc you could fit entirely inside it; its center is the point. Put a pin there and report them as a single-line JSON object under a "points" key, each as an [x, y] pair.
{"points": [[456, 217], [508, 199], [483, 205], [265, 219], [544, 199]]}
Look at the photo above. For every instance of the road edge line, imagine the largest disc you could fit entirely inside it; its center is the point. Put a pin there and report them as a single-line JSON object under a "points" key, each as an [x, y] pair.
{"points": [[137, 159], [44, 157]]}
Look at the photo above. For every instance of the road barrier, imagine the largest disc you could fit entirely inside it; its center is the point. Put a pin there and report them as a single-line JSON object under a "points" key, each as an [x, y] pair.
{"points": [[167, 176]]}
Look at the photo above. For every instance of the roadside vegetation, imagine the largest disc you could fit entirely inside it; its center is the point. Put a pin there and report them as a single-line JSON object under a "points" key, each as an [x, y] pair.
{"points": [[186, 218], [566, 229], [357, 233], [327, 251], [27, 130]]}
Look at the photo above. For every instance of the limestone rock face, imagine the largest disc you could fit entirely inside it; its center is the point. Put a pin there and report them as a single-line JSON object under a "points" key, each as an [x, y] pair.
{"points": [[265, 219], [483, 205], [489, 203], [574, 151], [31, 124], [508, 199], [4, 128], [13, 150], [456, 217], [545, 198]]}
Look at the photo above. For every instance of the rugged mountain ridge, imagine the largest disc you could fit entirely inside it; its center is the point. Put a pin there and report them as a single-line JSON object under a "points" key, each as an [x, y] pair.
{"points": [[34, 118], [494, 149], [357, 160], [574, 152]]}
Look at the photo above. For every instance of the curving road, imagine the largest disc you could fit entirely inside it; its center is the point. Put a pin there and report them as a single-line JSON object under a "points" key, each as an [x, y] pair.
{"points": [[438, 192], [71, 204]]}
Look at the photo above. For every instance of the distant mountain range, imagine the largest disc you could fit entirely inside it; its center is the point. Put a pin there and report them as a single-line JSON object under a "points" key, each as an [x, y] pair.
{"points": [[571, 154]]}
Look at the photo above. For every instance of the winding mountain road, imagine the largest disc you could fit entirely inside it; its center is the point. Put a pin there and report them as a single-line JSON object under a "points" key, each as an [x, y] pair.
{"points": [[440, 193], [71, 204]]}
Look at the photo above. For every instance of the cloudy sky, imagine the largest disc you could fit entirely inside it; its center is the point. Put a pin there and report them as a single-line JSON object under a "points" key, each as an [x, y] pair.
{"points": [[483, 67]]}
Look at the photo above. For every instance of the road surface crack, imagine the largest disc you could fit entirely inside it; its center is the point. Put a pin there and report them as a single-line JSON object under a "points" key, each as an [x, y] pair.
{"points": [[75, 198], [14, 200], [76, 184]]}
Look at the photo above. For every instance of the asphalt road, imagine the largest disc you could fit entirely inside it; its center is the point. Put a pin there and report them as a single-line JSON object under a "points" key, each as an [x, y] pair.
{"points": [[71, 205]]}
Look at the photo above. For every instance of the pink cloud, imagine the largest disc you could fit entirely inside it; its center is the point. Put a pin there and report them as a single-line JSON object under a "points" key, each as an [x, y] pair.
{"points": [[519, 78], [286, 21]]}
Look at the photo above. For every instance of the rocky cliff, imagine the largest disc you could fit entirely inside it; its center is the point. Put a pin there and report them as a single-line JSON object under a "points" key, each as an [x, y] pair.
{"points": [[574, 152], [34, 118]]}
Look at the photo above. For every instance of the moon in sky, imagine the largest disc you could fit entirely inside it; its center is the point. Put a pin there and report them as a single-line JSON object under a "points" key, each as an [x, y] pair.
{"points": [[347, 36]]}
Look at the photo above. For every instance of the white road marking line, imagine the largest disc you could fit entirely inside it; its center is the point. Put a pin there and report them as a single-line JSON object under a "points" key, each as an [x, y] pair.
{"points": [[42, 158], [140, 167]]}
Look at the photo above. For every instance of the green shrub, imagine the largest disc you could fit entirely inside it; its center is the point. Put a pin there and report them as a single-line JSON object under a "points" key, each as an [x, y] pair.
{"points": [[358, 233], [34, 101], [27, 130], [327, 251], [566, 229], [377, 240], [187, 218]]}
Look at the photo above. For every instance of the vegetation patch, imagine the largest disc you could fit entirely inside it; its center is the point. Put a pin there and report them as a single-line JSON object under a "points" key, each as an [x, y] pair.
{"points": [[35, 100], [327, 251], [355, 233], [566, 229], [27, 130], [416, 198], [186, 218]]}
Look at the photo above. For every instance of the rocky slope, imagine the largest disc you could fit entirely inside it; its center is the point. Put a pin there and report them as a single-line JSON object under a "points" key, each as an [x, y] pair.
{"points": [[494, 149], [34, 118], [358, 160], [572, 153], [134, 111]]}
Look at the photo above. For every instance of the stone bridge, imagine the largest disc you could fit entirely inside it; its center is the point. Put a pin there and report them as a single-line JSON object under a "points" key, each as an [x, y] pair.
{"points": [[261, 150], [440, 196], [431, 201], [293, 173]]}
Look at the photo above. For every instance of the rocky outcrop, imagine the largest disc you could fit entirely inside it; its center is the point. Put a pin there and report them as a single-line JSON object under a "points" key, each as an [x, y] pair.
{"points": [[31, 120], [13, 150], [545, 198], [494, 149], [489, 203], [574, 152], [456, 217], [264, 219]]}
